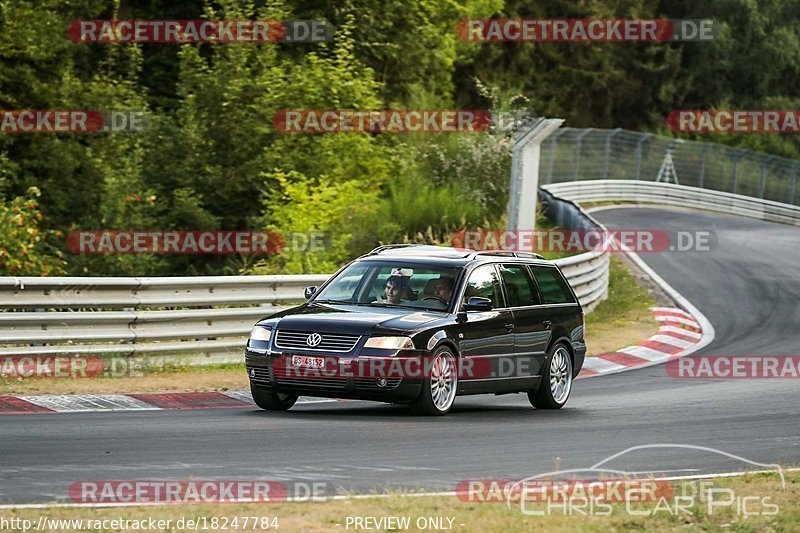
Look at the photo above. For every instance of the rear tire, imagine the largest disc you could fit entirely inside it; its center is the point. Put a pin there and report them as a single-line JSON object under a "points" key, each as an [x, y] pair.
{"points": [[556, 384], [439, 385], [272, 401]]}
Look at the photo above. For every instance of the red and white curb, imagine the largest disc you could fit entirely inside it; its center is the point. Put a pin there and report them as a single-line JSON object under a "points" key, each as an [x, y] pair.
{"points": [[82, 403], [678, 335]]}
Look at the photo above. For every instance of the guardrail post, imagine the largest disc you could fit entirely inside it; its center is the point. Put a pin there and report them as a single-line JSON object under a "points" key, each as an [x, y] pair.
{"points": [[524, 186]]}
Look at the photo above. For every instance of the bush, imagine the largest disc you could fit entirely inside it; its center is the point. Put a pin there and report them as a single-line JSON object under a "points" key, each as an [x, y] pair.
{"points": [[25, 249]]}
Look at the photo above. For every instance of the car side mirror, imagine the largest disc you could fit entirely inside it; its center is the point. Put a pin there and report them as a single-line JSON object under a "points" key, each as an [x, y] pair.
{"points": [[309, 291], [478, 303]]}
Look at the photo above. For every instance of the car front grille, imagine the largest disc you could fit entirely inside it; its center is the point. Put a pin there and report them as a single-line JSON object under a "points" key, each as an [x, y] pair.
{"points": [[331, 342]]}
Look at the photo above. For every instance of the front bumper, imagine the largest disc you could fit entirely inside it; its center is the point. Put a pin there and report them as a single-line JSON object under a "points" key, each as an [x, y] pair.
{"points": [[270, 372]]}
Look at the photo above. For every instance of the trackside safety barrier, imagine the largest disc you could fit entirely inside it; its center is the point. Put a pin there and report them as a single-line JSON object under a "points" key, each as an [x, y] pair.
{"points": [[128, 316]]}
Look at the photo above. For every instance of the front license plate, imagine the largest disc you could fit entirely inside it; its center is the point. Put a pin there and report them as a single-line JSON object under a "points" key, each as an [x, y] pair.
{"points": [[307, 361]]}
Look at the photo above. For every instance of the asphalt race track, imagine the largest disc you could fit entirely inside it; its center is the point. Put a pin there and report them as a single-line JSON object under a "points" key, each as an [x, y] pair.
{"points": [[748, 286]]}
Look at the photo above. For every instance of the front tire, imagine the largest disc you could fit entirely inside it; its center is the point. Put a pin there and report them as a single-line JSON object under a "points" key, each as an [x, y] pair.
{"points": [[439, 385], [272, 401], [556, 383]]}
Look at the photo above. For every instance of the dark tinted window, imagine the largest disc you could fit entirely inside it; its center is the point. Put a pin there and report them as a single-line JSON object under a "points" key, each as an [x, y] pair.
{"points": [[485, 283], [520, 289], [552, 286]]}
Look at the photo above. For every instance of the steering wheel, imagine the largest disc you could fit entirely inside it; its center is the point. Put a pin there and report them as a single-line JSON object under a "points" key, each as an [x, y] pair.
{"points": [[435, 298]]}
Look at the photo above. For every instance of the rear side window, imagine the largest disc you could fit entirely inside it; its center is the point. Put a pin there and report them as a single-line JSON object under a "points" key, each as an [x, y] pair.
{"points": [[520, 289], [552, 286]]}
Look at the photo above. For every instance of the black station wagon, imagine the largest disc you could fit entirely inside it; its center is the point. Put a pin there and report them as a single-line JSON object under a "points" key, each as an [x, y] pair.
{"points": [[421, 325]]}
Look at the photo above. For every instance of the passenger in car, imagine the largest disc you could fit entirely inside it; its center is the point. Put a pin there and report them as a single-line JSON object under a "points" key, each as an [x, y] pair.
{"points": [[396, 289]]}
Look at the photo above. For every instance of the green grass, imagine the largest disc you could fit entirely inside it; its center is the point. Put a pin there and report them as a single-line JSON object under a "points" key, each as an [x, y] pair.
{"points": [[625, 296]]}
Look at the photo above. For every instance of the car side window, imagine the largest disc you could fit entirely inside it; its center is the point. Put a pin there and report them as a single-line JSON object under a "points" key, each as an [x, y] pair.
{"points": [[552, 285], [484, 282], [520, 289]]}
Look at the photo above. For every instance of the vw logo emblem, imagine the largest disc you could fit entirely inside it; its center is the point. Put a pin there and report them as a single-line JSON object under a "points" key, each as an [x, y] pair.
{"points": [[314, 339]]}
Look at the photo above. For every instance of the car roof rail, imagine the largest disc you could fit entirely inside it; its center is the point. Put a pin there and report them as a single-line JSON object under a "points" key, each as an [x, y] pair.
{"points": [[385, 247], [501, 253]]}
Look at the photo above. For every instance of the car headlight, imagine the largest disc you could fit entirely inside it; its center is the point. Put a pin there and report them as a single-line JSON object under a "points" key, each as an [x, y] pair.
{"points": [[390, 343], [260, 333]]}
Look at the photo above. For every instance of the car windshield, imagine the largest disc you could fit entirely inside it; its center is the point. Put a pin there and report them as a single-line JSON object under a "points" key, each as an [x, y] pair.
{"points": [[392, 284]]}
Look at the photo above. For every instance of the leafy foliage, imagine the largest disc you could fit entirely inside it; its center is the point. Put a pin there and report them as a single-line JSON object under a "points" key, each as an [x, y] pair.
{"points": [[211, 158], [25, 249]]}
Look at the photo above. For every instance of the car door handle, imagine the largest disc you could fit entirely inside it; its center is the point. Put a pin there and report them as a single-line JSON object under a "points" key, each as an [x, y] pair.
{"points": [[547, 324], [509, 327]]}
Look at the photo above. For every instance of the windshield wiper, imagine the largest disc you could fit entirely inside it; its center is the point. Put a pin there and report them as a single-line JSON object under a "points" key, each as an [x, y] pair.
{"points": [[382, 304], [333, 302]]}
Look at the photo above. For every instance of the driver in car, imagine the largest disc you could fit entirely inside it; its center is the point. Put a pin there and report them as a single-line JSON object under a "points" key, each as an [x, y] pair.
{"points": [[439, 289], [443, 288]]}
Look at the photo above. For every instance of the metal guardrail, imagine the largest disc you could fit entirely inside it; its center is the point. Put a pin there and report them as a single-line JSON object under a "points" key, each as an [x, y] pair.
{"points": [[675, 195], [130, 316], [127, 316]]}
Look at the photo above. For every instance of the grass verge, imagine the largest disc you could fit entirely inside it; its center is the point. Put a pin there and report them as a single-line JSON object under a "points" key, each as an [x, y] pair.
{"points": [[622, 319], [166, 378], [763, 491]]}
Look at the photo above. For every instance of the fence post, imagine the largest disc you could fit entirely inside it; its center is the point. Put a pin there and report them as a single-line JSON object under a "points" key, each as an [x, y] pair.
{"points": [[577, 165], [701, 180], [639, 143], [763, 174], [736, 159], [608, 150]]}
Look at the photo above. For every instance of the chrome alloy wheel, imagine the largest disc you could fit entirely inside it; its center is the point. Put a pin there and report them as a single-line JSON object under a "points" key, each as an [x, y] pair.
{"points": [[560, 375], [443, 381]]}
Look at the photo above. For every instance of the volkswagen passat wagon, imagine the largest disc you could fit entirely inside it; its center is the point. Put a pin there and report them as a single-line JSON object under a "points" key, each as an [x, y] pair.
{"points": [[421, 325]]}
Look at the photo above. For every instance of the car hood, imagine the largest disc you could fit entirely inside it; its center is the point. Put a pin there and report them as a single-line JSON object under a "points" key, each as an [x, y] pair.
{"points": [[361, 320]]}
